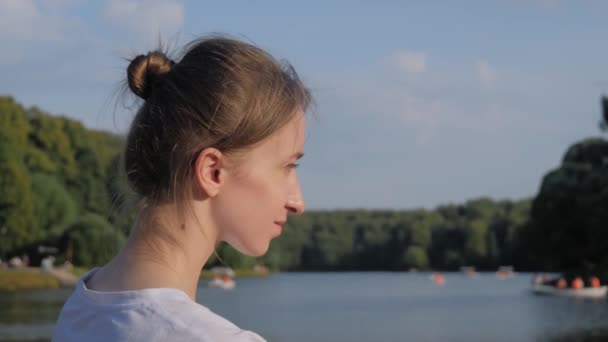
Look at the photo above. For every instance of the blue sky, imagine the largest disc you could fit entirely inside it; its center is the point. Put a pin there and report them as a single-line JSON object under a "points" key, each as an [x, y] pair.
{"points": [[420, 103]]}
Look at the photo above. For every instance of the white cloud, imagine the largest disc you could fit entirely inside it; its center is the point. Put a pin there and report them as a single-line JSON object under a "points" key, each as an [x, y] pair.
{"points": [[485, 73], [22, 20], [24, 24], [412, 62], [147, 18]]}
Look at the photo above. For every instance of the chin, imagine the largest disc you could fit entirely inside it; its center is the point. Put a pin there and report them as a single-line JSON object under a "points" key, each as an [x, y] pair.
{"points": [[259, 251], [255, 249]]}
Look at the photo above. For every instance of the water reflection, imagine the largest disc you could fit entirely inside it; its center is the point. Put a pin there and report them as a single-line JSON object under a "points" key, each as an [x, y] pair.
{"points": [[30, 315], [589, 335], [31, 306], [577, 319]]}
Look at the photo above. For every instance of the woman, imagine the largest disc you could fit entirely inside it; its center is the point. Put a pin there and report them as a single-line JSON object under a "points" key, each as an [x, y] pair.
{"points": [[211, 155]]}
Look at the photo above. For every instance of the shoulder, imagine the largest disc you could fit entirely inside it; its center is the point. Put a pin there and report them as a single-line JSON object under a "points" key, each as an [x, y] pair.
{"points": [[142, 315], [201, 321]]}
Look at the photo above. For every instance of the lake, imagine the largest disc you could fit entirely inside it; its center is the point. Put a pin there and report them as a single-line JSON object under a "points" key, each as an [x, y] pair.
{"points": [[359, 306]]}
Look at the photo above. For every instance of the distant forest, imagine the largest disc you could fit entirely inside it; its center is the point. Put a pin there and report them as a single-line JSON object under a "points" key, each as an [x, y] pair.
{"points": [[61, 187]]}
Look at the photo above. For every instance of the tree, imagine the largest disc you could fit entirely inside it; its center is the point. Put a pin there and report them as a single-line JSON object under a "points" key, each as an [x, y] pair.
{"points": [[17, 225], [95, 240], [415, 256], [54, 209], [475, 247], [14, 126], [422, 227], [568, 223], [48, 136]]}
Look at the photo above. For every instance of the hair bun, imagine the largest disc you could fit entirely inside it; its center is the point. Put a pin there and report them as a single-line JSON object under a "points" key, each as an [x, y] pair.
{"points": [[144, 72]]}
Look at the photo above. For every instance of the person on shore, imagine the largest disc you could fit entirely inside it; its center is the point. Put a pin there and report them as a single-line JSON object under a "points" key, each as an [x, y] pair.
{"points": [[212, 156]]}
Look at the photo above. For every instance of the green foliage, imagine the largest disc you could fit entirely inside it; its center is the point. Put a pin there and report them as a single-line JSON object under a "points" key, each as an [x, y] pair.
{"points": [[47, 135], [54, 209], [14, 126], [422, 228], [17, 223], [51, 169], [480, 232], [415, 257], [453, 260], [475, 246], [567, 230], [38, 161], [95, 240]]}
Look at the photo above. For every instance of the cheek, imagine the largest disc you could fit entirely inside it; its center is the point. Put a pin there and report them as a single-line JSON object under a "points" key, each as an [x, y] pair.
{"points": [[263, 190], [249, 206], [248, 215]]}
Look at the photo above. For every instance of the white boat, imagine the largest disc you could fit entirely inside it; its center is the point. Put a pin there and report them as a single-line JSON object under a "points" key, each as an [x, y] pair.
{"points": [[505, 272], [585, 292], [222, 284], [469, 271], [222, 278]]}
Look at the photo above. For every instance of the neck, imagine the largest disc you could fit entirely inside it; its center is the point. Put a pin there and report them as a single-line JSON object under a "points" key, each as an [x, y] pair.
{"points": [[162, 251]]}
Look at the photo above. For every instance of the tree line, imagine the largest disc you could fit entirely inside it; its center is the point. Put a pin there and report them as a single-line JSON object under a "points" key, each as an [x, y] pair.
{"points": [[62, 187]]}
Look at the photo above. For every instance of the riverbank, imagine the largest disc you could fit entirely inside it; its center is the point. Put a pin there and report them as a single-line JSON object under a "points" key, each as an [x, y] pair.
{"points": [[26, 279], [31, 278], [240, 273]]}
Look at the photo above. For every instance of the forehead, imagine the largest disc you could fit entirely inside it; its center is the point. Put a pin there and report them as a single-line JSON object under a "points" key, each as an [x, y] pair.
{"points": [[289, 139], [292, 135]]}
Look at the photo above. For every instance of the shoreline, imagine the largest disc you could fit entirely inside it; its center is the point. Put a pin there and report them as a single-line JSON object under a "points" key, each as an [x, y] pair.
{"points": [[29, 278], [35, 278]]}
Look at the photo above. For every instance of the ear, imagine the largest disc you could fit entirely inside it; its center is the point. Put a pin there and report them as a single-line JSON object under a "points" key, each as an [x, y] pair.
{"points": [[209, 171]]}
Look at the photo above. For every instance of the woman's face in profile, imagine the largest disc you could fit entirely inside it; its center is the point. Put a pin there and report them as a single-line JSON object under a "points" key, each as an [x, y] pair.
{"points": [[255, 200]]}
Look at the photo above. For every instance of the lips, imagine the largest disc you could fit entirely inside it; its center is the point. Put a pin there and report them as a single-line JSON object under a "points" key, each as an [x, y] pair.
{"points": [[279, 225]]}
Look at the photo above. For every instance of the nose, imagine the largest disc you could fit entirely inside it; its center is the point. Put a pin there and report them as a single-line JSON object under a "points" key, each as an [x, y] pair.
{"points": [[295, 206], [295, 201]]}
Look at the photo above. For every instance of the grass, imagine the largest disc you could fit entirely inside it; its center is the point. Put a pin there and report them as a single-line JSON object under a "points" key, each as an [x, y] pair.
{"points": [[12, 280], [205, 274], [244, 273], [80, 271], [27, 279]]}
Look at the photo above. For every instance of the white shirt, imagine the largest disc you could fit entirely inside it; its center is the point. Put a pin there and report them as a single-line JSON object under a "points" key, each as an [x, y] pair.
{"points": [[160, 314]]}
